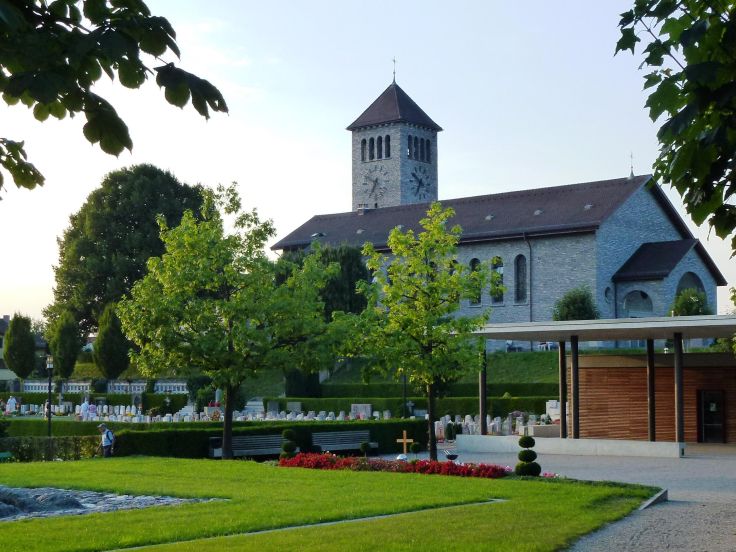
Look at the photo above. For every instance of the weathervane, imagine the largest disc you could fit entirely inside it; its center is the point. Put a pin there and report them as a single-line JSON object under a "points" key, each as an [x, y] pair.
{"points": [[394, 60]]}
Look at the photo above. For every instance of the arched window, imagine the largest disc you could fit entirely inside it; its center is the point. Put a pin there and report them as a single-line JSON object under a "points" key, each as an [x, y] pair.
{"points": [[497, 277], [421, 149], [637, 304], [362, 149], [520, 279], [474, 266], [371, 149], [387, 146], [410, 150], [690, 280], [379, 147], [429, 150], [416, 148]]}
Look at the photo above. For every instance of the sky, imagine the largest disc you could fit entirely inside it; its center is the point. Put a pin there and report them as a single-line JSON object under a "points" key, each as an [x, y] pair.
{"points": [[528, 97]]}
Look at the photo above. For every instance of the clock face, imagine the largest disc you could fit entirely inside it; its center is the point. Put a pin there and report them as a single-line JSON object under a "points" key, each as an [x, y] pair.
{"points": [[420, 182], [375, 182]]}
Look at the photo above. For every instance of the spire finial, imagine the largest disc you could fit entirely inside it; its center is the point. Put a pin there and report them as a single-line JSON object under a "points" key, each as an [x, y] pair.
{"points": [[631, 164], [394, 60]]}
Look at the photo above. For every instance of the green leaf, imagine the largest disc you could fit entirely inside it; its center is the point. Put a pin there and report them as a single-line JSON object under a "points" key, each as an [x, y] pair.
{"points": [[694, 34], [666, 98], [177, 95], [153, 42], [627, 41], [705, 73], [652, 79], [96, 11], [131, 73], [627, 18]]}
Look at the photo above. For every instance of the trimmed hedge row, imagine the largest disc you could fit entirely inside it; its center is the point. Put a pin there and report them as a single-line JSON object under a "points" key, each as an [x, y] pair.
{"points": [[497, 406], [64, 427], [337, 390], [194, 442], [33, 449], [150, 400]]}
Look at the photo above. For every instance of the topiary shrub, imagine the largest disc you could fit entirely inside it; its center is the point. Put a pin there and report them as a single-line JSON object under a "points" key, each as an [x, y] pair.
{"points": [[527, 441], [415, 448], [458, 429], [527, 457], [288, 447], [365, 446]]}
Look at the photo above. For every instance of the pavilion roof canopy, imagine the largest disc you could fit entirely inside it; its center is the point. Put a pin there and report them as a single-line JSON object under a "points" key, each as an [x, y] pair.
{"points": [[710, 326]]}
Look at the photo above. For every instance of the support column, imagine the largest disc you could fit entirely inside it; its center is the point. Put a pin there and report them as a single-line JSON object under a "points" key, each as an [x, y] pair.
{"points": [[679, 406], [563, 390], [482, 390], [651, 421], [575, 387]]}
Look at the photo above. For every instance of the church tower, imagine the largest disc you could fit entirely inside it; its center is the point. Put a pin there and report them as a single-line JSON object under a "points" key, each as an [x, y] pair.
{"points": [[394, 153]]}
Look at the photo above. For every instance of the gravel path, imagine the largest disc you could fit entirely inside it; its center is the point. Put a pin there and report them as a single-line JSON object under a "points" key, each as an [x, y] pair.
{"points": [[699, 516]]}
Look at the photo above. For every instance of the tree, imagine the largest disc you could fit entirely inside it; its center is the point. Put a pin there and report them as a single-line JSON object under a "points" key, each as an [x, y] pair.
{"points": [[211, 304], [690, 52], [54, 52], [576, 304], [690, 302], [105, 248], [19, 346], [111, 347], [411, 323], [65, 344]]}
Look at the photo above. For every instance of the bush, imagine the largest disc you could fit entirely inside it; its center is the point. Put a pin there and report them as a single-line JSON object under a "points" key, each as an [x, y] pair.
{"points": [[192, 440], [365, 448], [33, 449], [527, 455], [526, 441], [288, 435], [415, 448], [455, 390], [527, 465], [289, 447]]}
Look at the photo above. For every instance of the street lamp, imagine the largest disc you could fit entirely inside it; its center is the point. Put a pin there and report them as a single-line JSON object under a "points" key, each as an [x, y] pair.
{"points": [[50, 372]]}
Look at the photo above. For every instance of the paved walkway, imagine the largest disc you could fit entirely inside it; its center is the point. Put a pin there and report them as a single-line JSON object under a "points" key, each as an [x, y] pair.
{"points": [[699, 516]]}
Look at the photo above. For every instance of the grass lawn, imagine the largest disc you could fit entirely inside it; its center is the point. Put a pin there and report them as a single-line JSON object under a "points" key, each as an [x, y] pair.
{"points": [[537, 515]]}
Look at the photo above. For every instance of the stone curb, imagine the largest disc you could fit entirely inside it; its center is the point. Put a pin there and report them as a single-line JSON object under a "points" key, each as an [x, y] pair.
{"points": [[661, 496]]}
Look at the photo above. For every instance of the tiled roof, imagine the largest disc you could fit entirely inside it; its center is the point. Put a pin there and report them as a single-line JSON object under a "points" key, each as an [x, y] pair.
{"points": [[555, 210], [653, 260], [656, 260], [393, 106]]}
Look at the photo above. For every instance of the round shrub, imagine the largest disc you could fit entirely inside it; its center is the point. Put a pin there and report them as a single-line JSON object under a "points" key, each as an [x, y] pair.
{"points": [[533, 469], [285, 455], [289, 435], [527, 455], [289, 447], [415, 448], [365, 447], [526, 441], [520, 468]]}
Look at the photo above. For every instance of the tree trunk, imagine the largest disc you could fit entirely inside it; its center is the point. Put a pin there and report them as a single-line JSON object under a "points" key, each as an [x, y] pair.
{"points": [[227, 427], [430, 421]]}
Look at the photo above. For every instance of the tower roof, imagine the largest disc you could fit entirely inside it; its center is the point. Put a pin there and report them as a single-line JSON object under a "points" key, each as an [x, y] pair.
{"points": [[394, 106]]}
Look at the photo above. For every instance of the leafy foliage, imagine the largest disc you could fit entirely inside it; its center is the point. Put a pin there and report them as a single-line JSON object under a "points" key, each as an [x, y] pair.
{"points": [[576, 304], [689, 51], [65, 344], [19, 347], [411, 322], [690, 302], [55, 52], [111, 346], [105, 248], [211, 303]]}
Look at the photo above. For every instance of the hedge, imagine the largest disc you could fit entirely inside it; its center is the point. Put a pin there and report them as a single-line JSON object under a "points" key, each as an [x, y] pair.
{"points": [[194, 442], [28, 427], [497, 406], [32, 449], [150, 400], [386, 390]]}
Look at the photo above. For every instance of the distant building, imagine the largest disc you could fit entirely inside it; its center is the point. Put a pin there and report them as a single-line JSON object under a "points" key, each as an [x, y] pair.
{"points": [[621, 238]]}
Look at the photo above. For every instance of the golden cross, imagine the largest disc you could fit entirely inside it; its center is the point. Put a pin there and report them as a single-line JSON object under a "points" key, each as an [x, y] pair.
{"points": [[405, 441]]}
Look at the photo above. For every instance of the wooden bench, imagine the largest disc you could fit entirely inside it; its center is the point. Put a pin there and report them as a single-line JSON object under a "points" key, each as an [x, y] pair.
{"points": [[342, 440], [6, 456], [249, 445]]}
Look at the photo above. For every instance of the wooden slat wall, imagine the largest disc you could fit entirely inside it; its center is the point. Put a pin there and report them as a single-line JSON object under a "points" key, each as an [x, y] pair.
{"points": [[613, 401]]}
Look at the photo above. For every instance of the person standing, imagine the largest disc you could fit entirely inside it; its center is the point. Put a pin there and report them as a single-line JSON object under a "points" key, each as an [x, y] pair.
{"points": [[107, 441]]}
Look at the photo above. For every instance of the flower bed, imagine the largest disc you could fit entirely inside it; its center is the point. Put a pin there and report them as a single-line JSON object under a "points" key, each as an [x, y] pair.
{"points": [[333, 462]]}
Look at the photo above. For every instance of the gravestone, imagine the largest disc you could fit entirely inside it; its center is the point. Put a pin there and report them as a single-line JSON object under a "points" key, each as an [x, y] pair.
{"points": [[272, 406], [294, 406], [362, 411]]}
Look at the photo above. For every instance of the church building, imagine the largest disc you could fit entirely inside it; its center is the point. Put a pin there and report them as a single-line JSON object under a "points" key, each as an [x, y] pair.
{"points": [[620, 238]]}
